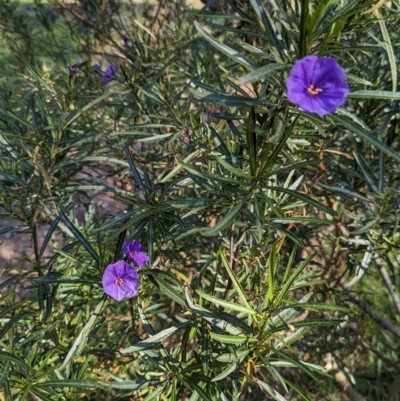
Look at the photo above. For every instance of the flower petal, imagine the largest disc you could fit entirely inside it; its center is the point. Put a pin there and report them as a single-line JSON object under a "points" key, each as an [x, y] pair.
{"points": [[141, 258], [120, 280], [317, 85], [328, 71], [302, 72], [109, 74]]}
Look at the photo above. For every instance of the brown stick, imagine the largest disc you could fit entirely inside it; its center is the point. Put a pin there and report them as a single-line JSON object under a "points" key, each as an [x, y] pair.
{"points": [[386, 324], [388, 282]]}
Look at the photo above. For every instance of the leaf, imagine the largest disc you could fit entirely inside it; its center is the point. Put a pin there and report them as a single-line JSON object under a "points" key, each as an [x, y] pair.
{"points": [[213, 318], [389, 48], [81, 340], [154, 339], [49, 233], [78, 235], [292, 278], [228, 218], [235, 281], [271, 31], [230, 100], [37, 77], [24, 368], [306, 199], [226, 304], [273, 393], [262, 73], [229, 339], [374, 94], [233, 54], [167, 289], [179, 167], [364, 134], [86, 108], [226, 372], [133, 168]]}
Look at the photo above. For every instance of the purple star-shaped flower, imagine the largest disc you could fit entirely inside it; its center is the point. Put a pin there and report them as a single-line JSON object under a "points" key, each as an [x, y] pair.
{"points": [[73, 70], [120, 281], [317, 85], [97, 68], [134, 253], [109, 74]]}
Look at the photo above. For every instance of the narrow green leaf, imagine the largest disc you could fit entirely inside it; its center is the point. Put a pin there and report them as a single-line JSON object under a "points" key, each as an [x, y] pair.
{"points": [[305, 198], [364, 134], [213, 318], [374, 94], [226, 304], [81, 340], [34, 73], [168, 290], [154, 339], [228, 339], [86, 108], [292, 279], [262, 73], [389, 48], [78, 235], [228, 218], [24, 368], [273, 35], [226, 372], [84, 384], [235, 281], [230, 100], [133, 168], [179, 167], [233, 54]]}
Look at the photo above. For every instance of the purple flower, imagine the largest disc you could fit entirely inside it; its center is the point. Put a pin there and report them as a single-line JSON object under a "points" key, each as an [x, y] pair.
{"points": [[73, 70], [28, 8], [97, 68], [52, 14], [127, 41], [317, 85], [109, 74], [120, 281], [134, 253]]}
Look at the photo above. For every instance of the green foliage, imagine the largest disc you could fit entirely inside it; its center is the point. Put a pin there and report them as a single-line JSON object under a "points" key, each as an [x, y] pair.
{"points": [[267, 228]]}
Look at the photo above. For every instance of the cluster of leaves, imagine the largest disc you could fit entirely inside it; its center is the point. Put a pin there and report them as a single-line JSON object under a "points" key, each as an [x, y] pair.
{"points": [[259, 220]]}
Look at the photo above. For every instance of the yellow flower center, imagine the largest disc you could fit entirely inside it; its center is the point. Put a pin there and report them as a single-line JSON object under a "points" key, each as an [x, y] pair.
{"points": [[119, 281], [313, 91]]}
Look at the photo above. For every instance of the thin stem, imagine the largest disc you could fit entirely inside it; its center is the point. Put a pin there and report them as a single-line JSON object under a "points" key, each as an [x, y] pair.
{"points": [[303, 45], [388, 282], [133, 315], [384, 323]]}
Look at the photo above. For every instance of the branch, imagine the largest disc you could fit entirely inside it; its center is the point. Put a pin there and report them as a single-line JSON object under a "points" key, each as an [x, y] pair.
{"points": [[388, 282], [332, 367], [386, 324]]}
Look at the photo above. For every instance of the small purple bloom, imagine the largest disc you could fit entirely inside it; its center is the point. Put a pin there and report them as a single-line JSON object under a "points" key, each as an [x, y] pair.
{"points": [[126, 41], [134, 253], [97, 68], [109, 74], [53, 15], [317, 85], [120, 281], [73, 70], [28, 8]]}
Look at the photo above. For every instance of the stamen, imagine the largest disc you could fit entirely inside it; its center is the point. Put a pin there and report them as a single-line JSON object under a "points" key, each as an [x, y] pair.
{"points": [[133, 253], [313, 91], [119, 281]]}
